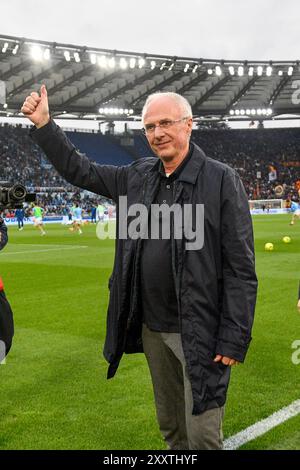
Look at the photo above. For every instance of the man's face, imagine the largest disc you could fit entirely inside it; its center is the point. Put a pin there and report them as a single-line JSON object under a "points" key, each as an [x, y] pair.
{"points": [[171, 143]]}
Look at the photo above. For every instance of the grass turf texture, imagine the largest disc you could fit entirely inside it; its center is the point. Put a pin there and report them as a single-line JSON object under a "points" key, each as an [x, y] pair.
{"points": [[53, 387]]}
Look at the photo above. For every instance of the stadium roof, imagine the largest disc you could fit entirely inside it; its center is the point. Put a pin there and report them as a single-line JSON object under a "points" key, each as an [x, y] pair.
{"points": [[104, 84]]}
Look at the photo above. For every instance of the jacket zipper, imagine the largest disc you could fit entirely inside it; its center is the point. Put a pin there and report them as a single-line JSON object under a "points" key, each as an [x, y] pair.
{"points": [[138, 248]]}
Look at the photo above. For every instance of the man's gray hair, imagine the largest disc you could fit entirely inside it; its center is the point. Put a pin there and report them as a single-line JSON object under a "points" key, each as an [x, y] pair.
{"points": [[178, 99]]}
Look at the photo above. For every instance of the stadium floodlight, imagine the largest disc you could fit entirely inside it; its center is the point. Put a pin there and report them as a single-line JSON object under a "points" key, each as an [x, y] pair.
{"points": [[36, 53], [231, 112], [195, 68], [240, 70], [67, 56], [290, 71], [76, 57], [218, 70], [15, 49], [5, 106], [187, 66], [101, 110], [132, 62], [105, 110], [259, 112], [242, 112], [269, 111], [210, 71], [142, 62], [112, 63], [253, 112], [259, 70], [280, 73], [269, 71], [121, 111], [5, 47], [102, 61], [231, 69], [153, 64], [123, 63], [264, 111], [237, 112], [47, 54], [126, 111], [248, 111], [251, 71], [131, 111], [93, 59]]}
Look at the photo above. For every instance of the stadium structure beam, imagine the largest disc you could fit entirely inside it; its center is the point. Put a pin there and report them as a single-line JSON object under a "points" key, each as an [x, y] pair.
{"points": [[36, 78], [211, 91], [179, 66], [155, 88], [193, 82], [126, 87], [242, 92], [69, 80], [89, 88], [282, 111], [283, 82], [14, 70]]}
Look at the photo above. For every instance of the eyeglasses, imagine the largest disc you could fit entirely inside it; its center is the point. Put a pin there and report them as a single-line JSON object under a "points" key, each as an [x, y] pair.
{"points": [[165, 124]]}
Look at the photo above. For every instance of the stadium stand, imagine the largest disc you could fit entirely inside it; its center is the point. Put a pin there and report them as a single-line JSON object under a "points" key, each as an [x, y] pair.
{"points": [[100, 148], [105, 84], [248, 151]]}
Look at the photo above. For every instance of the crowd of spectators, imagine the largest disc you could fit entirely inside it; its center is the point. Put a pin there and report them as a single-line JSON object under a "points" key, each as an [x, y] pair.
{"points": [[22, 161], [251, 152]]}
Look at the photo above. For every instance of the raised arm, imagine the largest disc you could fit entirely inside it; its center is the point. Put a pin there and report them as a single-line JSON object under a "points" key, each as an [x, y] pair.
{"points": [[76, 168]]}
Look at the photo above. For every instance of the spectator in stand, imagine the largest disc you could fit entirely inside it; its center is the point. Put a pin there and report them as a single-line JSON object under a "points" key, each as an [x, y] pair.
{"points": [[248, 151]]}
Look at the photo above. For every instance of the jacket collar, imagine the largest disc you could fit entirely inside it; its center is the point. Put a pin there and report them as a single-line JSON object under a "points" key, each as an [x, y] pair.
{"points": [[190, 171]]}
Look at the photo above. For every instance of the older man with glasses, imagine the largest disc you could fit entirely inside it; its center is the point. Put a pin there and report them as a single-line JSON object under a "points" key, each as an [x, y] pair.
{"points": [[190, 310]]}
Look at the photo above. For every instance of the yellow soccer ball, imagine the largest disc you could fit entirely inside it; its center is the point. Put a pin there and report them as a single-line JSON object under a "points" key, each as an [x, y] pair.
{"points": [[286, 239], [269, 247]]}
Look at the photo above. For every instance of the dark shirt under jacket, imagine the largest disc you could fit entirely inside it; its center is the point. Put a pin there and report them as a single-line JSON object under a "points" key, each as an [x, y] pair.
{"points": [[158, 295]]}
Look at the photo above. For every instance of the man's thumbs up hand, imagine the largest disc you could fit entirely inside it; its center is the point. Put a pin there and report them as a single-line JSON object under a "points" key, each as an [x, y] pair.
{"points": [[36, 107]]}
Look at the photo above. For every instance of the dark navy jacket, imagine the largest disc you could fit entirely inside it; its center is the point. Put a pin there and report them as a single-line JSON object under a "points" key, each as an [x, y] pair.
{"points": [[215, 285]]}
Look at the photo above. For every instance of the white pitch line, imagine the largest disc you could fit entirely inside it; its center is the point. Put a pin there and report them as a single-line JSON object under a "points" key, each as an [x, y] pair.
{"points": [[43, 251], [263, 426]]}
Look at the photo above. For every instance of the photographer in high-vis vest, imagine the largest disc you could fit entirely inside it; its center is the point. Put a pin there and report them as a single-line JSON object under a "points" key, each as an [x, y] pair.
{"points": [[6, 316]]}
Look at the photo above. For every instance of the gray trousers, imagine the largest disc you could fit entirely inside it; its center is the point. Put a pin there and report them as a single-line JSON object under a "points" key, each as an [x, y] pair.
{"points": [[173, 396]]}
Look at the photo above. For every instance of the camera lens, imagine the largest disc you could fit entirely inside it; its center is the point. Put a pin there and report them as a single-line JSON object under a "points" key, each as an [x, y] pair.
{"points": [[17, 192]]}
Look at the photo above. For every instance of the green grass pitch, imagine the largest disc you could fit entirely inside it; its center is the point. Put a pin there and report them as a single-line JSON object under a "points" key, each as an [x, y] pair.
{"points": [[53, 387]]}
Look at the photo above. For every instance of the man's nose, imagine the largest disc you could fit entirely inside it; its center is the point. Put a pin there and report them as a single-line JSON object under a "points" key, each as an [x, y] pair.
{"points": [[158, 132]]}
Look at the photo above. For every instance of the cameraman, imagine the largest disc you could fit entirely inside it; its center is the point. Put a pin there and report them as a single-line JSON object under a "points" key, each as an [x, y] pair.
{"points": [[6, 316]]}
